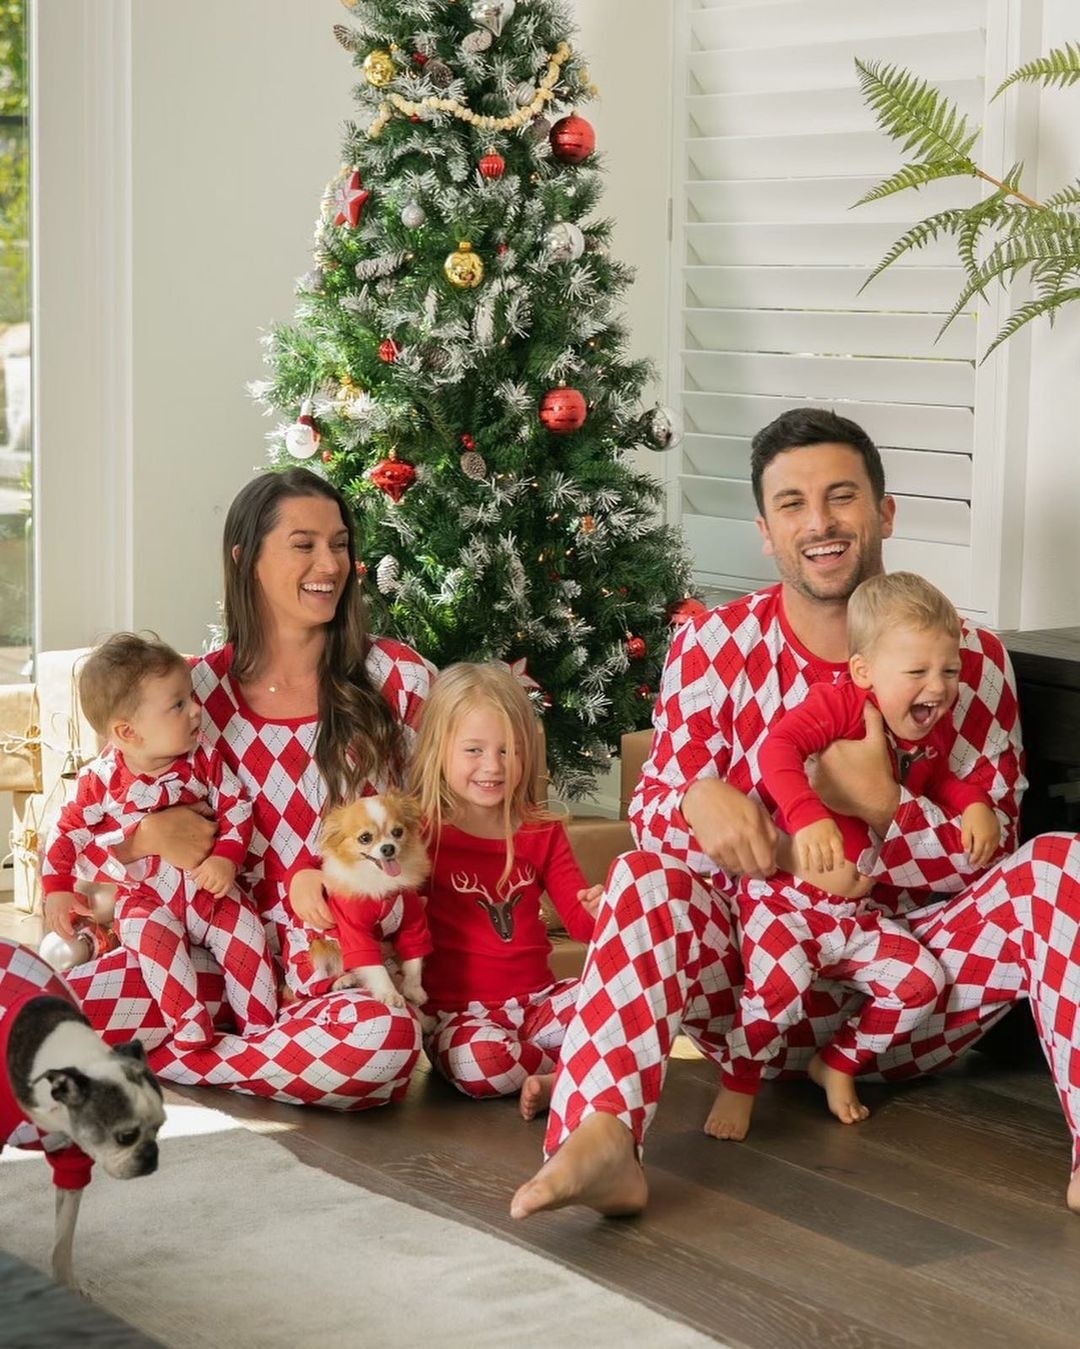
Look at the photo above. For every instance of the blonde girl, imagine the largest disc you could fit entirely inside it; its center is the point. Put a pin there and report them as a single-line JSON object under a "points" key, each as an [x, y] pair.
{"points": [[499, 1015]]}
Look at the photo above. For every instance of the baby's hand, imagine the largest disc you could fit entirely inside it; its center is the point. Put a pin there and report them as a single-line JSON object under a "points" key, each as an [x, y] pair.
{"points": [[308, 901], [215, 874], [980, 833], [590, 899], [60, 909], [819, 847]]}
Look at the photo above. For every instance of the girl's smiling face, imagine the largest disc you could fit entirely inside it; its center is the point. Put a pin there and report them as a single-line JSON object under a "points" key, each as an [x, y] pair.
{"points": [[482, 768]]}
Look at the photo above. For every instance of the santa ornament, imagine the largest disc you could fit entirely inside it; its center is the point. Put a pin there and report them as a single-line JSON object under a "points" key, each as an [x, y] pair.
{"points": [[302, 438]]}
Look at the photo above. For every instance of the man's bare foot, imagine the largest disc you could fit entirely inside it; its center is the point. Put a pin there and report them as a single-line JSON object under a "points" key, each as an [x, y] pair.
{"points": [[839, 1091], [1072, 1194], [535, 1095], [596, 1166], [730, 1115]]}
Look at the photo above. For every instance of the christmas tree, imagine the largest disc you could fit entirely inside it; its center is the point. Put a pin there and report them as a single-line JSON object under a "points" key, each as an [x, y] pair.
{"points": [[456, 366]]}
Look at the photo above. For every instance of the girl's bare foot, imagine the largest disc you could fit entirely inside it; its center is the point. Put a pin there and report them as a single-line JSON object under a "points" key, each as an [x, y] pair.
{"points": [[535, 1095], [730, 1115], [839, 1091], [596, 1166], [1072, 1194]]}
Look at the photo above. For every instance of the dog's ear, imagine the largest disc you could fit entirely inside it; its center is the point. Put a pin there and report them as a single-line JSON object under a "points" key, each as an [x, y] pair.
{"points": [[408, 808], [131, 1049], [69, 1086], [331, 835]]}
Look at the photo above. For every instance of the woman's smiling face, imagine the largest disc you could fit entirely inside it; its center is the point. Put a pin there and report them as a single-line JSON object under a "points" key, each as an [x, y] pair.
{"points": [[303, 562]]}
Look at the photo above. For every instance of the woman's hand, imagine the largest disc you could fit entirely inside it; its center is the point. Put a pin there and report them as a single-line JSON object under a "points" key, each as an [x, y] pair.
{"points": [[182, 835], [61, 907], [308, 899]]}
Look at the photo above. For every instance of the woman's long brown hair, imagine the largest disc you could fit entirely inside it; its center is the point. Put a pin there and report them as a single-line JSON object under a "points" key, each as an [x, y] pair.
{"points": [[358, 733]]}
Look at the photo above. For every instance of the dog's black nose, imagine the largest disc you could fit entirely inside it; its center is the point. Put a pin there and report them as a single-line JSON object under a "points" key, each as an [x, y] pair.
{"points": [[388, 849], [148, 1159]]}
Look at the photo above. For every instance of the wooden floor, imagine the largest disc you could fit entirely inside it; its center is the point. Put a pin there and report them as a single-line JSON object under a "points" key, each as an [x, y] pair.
{"points": [[939, 1222]]}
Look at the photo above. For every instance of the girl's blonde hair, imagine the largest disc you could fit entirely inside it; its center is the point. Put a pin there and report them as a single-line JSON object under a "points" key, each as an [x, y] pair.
{"points": [[897, 599], [458, 690]]}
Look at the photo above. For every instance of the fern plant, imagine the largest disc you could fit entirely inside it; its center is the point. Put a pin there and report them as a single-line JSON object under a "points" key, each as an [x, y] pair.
{"points": [[1008, 233]]}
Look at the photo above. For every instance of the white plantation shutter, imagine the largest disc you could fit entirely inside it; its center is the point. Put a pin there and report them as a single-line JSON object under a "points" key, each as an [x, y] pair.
{"points": [[774, 145]]}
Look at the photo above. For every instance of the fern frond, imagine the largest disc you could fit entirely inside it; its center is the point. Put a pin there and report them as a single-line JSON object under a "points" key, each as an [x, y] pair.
{"points": [[1061, 67], [921, 234], [1034, 309], [978, 219], [1009, 257], [915, 175], [1064, 196], [914, 112]]}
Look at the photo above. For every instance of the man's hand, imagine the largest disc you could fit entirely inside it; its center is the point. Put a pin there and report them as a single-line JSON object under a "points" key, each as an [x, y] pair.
{"points": [[819, 847], [735, 832], [308, 900], [855, 777], [182, 835], [980, 832], [215, 874], [61, 907]]}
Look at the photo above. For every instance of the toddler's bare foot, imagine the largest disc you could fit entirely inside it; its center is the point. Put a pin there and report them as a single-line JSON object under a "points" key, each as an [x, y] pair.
{"points": [[535, 1095], [839, 1091], [1072, 1194], [730, 1115], [596, 1166]]}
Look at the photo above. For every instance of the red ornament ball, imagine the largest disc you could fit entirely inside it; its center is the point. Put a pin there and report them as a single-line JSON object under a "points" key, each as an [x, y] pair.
{"points": [[395, 476], [421, 58], [468, 441], [388, 350], [636, 648], [327, 456], [492, 165], [684, 610], [361, 568], [572, 139], [563, 411], [644, 692]]}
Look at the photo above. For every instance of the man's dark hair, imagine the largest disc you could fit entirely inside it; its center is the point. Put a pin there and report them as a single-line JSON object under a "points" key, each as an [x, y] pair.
{"points": [[799, 427]]}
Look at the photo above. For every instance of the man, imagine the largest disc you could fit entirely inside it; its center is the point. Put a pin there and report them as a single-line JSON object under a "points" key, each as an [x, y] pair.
{"points": [[663, 960]]}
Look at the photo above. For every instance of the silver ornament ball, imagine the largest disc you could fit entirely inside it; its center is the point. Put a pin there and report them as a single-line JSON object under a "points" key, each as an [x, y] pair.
{"points": [[413, 215], [494, 15], [564, 242], [663, 428], [524, 94]]}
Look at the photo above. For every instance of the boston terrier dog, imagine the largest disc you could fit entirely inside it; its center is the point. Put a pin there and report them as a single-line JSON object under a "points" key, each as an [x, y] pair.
{"points": [[62, 1088]]}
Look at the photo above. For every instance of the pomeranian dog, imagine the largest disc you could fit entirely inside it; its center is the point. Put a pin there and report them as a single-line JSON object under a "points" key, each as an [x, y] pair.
{"points": [[373, 865]]}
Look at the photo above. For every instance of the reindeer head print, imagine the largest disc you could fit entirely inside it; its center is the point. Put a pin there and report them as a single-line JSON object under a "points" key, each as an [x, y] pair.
{"points": [[500, 906]]}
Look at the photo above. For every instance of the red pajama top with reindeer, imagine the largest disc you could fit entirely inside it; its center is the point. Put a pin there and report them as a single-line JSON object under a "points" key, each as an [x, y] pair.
{"points": [[490, 940]]}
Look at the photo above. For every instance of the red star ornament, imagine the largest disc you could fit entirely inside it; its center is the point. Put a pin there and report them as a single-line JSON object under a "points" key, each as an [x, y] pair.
{"points": [[350, 200]]}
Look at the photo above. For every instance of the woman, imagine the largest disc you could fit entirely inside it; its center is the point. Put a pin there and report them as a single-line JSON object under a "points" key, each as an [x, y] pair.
{"points": [[306, 708]]}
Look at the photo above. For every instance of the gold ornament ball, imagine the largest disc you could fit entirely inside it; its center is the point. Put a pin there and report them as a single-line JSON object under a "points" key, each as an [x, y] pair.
{"points": [[464, 268], [379, 68]]}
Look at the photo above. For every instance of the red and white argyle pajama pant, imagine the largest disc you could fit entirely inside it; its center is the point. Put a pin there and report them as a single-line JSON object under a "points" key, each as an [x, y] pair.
{"points": [[663, 960], [160, 921], [490, 1051], [791, 936]]}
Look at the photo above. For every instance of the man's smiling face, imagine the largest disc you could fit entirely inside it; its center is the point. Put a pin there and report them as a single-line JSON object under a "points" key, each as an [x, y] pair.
{"points": [[821, 522]]}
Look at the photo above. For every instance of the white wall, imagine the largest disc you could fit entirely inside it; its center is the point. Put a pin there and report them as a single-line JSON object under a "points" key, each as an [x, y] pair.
{"points": [[1050, 590]]}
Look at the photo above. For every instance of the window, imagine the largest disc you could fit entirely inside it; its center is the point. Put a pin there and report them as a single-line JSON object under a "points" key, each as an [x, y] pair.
{"points": [[16, 587], [773, 147]]}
